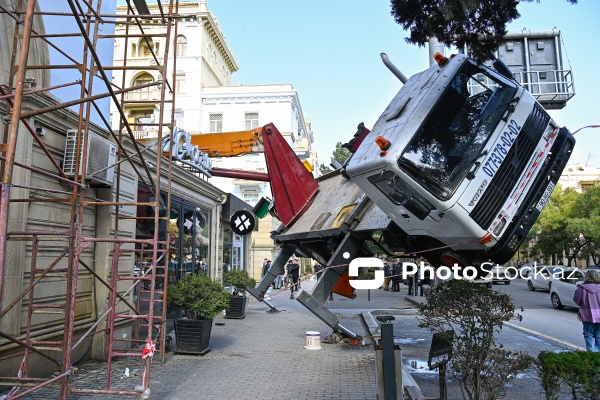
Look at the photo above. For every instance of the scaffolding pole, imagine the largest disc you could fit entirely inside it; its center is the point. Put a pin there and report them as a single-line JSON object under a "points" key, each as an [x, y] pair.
{"points": [[69, 266]]}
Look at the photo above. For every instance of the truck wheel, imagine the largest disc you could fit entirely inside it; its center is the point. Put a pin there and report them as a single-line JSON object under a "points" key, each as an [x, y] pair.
{"points": [[530, 285]]}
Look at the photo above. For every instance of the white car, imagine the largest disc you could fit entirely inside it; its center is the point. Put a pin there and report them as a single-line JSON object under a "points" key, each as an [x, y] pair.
{"points": [[527, 269], [542, 277], [563, 289]]}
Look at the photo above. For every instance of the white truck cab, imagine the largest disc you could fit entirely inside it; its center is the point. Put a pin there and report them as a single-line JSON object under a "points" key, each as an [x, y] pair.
{"points": [[462, 160]]}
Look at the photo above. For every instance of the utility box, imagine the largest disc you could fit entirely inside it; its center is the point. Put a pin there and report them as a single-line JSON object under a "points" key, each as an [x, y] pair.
{"points": [[101, 153], [536, 61]]}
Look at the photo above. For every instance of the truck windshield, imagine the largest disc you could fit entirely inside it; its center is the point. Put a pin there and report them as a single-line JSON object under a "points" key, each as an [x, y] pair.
{"points": [[450, 142]]}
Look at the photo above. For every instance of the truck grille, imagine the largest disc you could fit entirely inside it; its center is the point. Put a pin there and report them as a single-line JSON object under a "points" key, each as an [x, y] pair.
{"points": [[507, 175]]}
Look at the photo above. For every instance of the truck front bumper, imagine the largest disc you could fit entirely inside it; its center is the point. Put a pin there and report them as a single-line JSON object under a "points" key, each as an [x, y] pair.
{"points": [[521, 224]]}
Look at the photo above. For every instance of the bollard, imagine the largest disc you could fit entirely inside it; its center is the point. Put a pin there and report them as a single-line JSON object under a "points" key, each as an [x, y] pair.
{"points": [[388, 365]]}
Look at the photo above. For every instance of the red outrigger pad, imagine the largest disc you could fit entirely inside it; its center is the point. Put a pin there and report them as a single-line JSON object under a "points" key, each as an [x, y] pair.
{"points": [[292, 185], [343, 287]]}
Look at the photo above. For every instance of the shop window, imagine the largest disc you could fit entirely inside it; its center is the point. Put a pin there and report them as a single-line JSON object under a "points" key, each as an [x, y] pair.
{"points": [[188, 237]]}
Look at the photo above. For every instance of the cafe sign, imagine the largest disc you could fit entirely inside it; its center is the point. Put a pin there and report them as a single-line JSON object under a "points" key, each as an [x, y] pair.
{"points": [[182, 150]]}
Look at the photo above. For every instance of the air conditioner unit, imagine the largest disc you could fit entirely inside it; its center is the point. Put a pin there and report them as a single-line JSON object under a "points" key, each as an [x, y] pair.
{"points": [[100, 154]]}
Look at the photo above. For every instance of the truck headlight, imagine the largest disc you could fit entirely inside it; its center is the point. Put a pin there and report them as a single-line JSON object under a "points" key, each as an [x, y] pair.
{"points": [[550, 132], [499, 227]]}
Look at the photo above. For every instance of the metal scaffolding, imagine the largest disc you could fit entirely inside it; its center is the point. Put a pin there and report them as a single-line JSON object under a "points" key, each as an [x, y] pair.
{"points": [[148, 315]]}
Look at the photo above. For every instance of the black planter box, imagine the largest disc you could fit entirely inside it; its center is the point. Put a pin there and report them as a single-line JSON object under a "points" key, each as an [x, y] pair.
{"points": [[192, 336], [237, 307]]}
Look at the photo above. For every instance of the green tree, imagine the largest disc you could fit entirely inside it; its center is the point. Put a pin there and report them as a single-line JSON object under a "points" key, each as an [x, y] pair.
{"points": [[340, 154], [324, 169], [480, 24], [475, 314], [586, 217], [569, 225], [554, 231]]}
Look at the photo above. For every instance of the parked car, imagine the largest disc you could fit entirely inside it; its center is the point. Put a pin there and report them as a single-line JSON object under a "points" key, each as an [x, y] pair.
{"points": [[593, 267], [563, 289], [526, 269], [542, 277], [501, 275]]}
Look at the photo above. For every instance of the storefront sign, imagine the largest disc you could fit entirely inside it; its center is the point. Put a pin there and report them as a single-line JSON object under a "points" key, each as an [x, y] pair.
{"points": [[183, 151]]}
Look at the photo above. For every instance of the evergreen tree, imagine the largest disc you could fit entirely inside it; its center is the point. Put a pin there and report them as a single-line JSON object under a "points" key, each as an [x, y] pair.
{"points": [[480, 24]]}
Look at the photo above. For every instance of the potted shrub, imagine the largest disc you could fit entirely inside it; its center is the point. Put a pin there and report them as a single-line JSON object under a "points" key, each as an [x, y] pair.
{"points": [[238, 280], [201, 299]]}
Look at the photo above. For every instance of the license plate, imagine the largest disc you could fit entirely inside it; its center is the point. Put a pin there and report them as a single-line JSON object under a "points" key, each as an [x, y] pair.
{"points": [[545, 197]]}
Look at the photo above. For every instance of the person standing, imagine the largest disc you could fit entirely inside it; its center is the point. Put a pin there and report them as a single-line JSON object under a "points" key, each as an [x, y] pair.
{"points": [[587, 297], [396, 271], [293, 270], [279, 281], [387, 273], [297, 266], [410, 281], [319, 269], [265, 267]]}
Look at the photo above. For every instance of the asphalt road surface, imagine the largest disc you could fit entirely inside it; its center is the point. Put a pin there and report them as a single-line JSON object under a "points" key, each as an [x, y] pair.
{"points": [[540, 318]]}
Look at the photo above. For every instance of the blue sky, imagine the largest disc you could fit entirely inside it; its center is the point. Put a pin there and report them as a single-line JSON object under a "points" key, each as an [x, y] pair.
{"points": [[329, 50]]}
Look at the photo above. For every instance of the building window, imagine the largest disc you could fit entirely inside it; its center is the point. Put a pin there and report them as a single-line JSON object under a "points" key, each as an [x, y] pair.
{"points": [[250, 197], [181, 45], [251, 120], [180, 83], [146, 46], [178, 117], [251, 162], [216, 122], [587, 184]]}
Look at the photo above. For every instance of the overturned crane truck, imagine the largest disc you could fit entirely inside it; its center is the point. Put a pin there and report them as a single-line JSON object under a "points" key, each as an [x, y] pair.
{"points": [[456, 170]]}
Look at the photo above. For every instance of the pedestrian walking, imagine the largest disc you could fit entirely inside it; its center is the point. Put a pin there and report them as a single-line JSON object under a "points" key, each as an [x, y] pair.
{"points": [[587, 297]]}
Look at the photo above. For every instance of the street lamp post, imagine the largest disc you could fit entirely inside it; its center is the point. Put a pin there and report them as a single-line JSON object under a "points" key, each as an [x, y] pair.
{"points": [[584, 127]]}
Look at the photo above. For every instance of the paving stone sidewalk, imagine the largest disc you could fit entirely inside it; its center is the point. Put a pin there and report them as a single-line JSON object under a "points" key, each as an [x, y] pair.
{"points": [[263, 357]]}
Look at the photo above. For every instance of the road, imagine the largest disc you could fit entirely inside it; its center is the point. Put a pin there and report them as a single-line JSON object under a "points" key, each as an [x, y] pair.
{"points": [[540, 319]]}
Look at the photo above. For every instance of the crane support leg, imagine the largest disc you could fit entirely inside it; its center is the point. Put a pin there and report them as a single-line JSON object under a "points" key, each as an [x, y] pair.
{"points": [[277, 268], [346, 251]]}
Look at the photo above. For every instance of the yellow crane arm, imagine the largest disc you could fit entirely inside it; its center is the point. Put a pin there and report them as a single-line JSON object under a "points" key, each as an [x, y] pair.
{"points": [[228, 144]]}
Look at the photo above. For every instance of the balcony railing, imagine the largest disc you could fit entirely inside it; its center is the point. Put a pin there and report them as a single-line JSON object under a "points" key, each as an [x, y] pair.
{"points": [[142, 95]]}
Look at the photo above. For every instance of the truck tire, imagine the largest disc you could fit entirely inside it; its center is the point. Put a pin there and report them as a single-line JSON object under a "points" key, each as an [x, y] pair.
{"points": [[530, 285]]}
